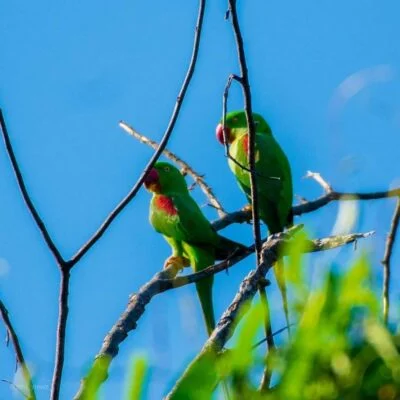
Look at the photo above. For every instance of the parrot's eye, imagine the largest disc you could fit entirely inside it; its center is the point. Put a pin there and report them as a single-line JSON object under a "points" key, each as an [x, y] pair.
{"points": [[166, 169], [256, 122]]}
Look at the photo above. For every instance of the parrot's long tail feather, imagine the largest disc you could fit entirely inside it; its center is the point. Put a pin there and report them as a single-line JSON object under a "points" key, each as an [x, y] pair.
{"points": [[204, 290], [201, 258], [279, 271]]}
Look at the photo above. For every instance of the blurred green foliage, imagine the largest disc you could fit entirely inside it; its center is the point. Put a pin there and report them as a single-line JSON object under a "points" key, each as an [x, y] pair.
{"points": [[339, 347]]}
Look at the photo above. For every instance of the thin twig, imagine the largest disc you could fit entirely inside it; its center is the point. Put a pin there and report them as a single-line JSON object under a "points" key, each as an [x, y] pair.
{"points": [[61, 329], [386, 262], [266, 378], [18, 352], [319, 179], [274, 334], [28, 201], [244, 81], [231, 78], [126, 200], [165, 280], [15, 387], [198, 179]]}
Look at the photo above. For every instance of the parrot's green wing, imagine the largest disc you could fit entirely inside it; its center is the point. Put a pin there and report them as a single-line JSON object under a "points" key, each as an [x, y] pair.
{"points": [[175, 215], [187, 222], [274, 180], [274, 188], [200, 244], [193, 228]]}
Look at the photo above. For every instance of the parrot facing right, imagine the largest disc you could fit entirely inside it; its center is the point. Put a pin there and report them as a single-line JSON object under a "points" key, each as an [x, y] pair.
{"points": [[273, 177], [175, 215]]}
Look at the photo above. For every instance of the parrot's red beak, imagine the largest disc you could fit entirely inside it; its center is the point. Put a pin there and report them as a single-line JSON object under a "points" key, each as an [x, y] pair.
{"points": [[151, 182], [220, 134]]}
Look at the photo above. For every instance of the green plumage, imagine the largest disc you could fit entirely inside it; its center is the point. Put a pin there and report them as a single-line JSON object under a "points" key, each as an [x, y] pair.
{"points": [[175, 215], [274, 179]]}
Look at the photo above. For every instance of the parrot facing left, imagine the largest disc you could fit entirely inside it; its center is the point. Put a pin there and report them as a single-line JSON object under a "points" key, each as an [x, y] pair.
{"points": [[193, 241], [273, 177]]}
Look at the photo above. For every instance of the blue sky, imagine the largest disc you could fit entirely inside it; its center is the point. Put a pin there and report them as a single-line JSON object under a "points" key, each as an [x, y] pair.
{"points": [[324, 74]]}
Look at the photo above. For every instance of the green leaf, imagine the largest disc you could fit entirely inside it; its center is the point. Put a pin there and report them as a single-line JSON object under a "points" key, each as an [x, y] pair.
{"points": [[136, 381]]}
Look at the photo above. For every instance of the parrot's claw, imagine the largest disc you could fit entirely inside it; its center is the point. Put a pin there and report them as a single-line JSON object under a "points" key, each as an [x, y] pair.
{"points": [[179, 262], [247, 207]]}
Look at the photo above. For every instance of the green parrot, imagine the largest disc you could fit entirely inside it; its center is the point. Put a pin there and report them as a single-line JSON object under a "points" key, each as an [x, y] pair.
{"points": [[274, 178], [193, 241]]}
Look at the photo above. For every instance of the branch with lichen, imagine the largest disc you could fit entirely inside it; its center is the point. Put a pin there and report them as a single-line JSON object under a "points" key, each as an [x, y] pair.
{"points": [[166, 280], [273, 248]]}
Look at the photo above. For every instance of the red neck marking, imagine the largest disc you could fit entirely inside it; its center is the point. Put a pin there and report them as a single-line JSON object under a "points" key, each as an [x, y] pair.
{"points": [[165, 203], [245, 143]]}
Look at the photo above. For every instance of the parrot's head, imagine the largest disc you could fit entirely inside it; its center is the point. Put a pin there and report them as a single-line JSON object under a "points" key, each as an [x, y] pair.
{"points": [[236, 126], [164, 178]]}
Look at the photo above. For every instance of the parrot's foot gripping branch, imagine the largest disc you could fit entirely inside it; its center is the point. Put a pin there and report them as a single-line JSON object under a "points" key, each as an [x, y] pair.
{"points": [[178, 262], [247, 207]]}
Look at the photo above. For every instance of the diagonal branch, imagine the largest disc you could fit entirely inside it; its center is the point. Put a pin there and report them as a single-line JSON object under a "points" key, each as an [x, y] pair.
{"points": [[166, 280], [28, 201], [249, 287], [63, 265], [126, 200], [214, 202], [18, 352], [386, 262]]}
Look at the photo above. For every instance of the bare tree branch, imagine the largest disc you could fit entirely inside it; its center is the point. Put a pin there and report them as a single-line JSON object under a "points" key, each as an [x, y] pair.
{"points": [[61, 331], [18, 352], [266, 378], [199, 180], [309, 206], [244, 81], [248, 288], [166, 280], [386, 262], [65, 266], [28, 201], [126, 200]]}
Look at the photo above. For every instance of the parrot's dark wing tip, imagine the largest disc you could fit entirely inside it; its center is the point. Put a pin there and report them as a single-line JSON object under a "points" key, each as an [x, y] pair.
{"points": [[228, 248]]}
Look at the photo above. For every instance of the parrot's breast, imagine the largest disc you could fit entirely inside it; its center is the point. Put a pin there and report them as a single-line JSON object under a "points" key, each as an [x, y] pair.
{"points": [[164, 216], [165, 203]]}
